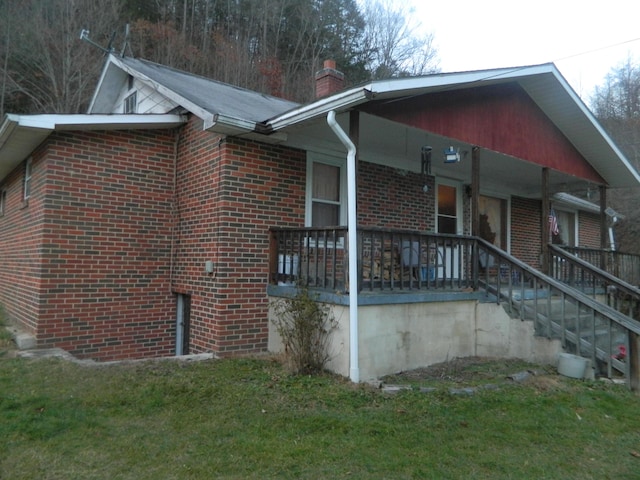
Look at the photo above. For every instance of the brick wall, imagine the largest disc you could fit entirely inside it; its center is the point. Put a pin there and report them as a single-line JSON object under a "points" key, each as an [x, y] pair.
{"points": [[230, 191], [106, 244], [589, 230], [21, 229], [525, 230], [395, 199]]}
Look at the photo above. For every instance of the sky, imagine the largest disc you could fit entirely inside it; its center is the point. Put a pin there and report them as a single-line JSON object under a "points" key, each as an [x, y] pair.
{"points": [[585, 38]]}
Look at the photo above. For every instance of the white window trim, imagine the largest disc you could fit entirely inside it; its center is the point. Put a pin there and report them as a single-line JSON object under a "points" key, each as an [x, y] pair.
{"points": [[27, 180], [315, 157]]}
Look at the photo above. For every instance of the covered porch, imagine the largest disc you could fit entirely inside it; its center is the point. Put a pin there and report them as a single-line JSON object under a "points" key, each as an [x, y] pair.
{"points": [[435, 208]]}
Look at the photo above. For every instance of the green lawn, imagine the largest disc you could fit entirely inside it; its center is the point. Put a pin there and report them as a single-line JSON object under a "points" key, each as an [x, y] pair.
{"points": [[247, 418]]}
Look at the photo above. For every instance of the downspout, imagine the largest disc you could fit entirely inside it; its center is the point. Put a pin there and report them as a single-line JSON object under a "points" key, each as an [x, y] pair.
{"points": [[352, 236]]}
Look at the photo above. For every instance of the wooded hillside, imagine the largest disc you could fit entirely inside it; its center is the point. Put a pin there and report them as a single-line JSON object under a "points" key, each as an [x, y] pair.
{"points": [[272, 46]]}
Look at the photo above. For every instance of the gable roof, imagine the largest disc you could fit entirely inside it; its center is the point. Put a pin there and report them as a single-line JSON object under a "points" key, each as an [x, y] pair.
{"points": [[232, 109], [543, 83]]}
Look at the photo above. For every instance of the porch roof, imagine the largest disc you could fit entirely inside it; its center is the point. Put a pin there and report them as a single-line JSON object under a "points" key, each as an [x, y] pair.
{"points": [[543, 83]]}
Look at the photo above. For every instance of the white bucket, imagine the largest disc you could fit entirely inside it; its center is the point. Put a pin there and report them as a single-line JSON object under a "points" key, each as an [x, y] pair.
{"points": [[572, 365], [288, 264]]}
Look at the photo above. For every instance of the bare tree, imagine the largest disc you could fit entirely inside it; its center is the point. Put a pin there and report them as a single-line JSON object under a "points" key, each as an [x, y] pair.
{"points": [[47, 68], [395, 47], [616, 104]]}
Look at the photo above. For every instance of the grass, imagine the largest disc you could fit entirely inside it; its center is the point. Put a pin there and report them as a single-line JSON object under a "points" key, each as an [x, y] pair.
{"points": [[6, 338], [250, 419]]}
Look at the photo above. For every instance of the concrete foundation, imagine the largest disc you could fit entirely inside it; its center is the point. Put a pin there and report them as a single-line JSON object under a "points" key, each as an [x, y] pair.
{"points": [[398, 337]]}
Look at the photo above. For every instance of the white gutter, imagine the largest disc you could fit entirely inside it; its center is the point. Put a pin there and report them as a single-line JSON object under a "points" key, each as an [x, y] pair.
{"points": [[352, 236]]}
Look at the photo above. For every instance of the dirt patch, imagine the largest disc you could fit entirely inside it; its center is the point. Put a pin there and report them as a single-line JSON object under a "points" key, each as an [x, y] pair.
{"points": [[467, 370]]}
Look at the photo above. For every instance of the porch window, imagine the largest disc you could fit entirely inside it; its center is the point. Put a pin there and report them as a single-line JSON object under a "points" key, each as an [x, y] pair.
{"points": [[325, 205], [447, 209], [26, 186], [567, 228], [493, 220]]}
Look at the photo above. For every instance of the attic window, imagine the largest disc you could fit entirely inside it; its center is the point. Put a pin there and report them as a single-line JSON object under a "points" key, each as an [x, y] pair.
{"points": [[130, 103]]}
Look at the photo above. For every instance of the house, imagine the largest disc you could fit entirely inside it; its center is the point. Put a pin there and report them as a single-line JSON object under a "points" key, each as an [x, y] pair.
{"points": [[165, 220]]}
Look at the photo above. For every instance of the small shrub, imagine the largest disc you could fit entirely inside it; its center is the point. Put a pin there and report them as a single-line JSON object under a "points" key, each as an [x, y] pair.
{"points": [[305, 327]]}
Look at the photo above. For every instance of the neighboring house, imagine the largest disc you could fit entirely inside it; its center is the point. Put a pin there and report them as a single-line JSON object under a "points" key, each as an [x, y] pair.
{"points": [[152, 225]]}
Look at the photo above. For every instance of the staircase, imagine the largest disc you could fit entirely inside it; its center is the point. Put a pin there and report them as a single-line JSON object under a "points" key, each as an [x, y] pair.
{"points": [[587, 309]]}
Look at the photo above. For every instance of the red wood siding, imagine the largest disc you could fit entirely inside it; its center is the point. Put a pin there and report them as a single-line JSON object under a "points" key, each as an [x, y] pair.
{"points": [[502, 118]]}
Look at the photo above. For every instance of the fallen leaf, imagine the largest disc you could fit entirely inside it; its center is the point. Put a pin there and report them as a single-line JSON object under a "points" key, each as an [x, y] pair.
{"points": [[635, 454]]}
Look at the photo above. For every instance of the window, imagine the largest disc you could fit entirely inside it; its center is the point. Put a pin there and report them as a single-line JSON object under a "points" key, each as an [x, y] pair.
{"points": [[447, 209], [26, 187], [567, 229], [130, 103], [325, 192], [3, 201], [493, 220]]}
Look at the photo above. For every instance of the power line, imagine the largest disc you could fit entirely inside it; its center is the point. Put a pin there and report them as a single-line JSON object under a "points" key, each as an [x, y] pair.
{"points": [[596, 50]]}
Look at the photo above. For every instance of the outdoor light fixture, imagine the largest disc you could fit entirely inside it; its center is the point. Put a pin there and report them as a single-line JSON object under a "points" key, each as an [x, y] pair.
{"points": [[451, 155]]}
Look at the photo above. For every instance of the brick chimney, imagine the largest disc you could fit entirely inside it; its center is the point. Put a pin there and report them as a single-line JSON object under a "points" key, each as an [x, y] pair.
{"points": [[329, 80]]}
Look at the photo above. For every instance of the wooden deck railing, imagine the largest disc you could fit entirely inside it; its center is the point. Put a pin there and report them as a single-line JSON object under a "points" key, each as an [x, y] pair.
{"points": [[400, 261], [625, 266], [387, 259]]}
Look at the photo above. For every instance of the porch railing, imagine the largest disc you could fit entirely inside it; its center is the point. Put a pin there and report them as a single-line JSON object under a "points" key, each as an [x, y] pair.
{"points": [[389, 260], [403, 261], [625, 266], [584, 275], [584, 325]]}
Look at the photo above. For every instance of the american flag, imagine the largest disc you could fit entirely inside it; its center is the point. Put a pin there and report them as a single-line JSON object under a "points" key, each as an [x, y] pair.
{"points": [[553, 223]]}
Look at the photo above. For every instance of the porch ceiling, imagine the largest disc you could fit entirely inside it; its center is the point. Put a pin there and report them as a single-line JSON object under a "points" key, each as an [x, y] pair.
{"points": [[393, 144]]}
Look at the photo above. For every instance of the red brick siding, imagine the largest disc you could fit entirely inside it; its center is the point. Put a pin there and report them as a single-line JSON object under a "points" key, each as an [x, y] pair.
{"points": [[394, 199], [106, 249], [230, 191], [21, 229], [589, 230], [525, 230]]}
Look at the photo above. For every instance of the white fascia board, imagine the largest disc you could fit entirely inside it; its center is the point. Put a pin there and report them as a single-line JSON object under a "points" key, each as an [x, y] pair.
{"points": [[596, 125], [393, 88], [576, 202], [97, 122], [338, 102]]}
